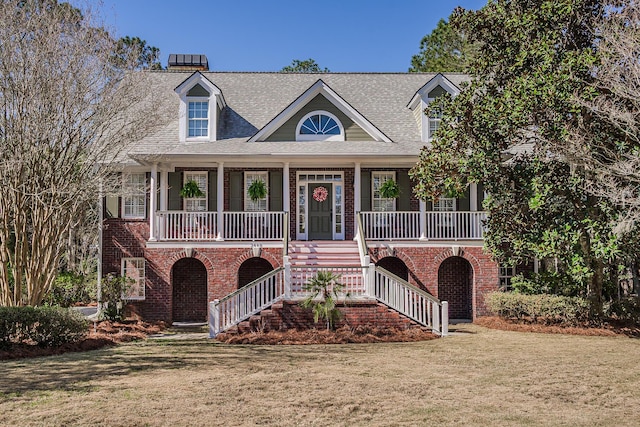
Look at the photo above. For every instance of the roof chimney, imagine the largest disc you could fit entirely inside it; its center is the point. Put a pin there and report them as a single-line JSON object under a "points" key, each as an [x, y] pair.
{"points": [[183, 62]]}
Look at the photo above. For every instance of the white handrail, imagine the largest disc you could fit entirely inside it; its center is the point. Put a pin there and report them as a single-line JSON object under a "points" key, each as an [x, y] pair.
{"points": [[411, 301], [439, 225], [352, 277], [186, 225], [245, 302], [254, 225]]}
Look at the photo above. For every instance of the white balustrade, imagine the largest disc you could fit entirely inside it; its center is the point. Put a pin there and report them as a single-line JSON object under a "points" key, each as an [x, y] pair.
{"points": [[439, 225], [203, 226], [411, 301], [254, 225], [183, 225], [245, 302], [352, 278]]}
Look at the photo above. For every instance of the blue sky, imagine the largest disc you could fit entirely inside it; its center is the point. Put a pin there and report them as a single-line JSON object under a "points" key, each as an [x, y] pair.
{"points": [[266, 35]]}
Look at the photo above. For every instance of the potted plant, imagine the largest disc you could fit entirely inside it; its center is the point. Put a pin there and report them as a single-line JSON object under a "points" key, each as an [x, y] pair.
{"points": [[257, 190], [389, 189], [190, 190]]}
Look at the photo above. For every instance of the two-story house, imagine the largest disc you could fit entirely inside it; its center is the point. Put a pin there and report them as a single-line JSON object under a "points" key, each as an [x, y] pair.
{"points": [[326, 148]]}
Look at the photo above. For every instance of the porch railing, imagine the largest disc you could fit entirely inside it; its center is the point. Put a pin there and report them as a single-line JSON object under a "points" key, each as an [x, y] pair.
{"points": [[183, 225], [244, 303], [438, 225], [352, 277], [411, 301], [203, 226], [254, 225]]}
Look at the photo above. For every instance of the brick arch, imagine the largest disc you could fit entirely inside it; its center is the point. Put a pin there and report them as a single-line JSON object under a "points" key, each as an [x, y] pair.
{"points": [[251, 269], [456, 285], [394, 265], [189, 290], [249, 254], [448, 252], [178, 255]]}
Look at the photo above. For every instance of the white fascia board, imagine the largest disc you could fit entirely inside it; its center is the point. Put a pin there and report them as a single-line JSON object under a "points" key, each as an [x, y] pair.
{"points": [[319, 87], [438, 80]]}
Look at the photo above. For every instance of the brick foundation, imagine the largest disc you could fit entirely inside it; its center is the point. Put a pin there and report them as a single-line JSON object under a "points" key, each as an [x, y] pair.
{"points": [[290, 315], [222, 264]]}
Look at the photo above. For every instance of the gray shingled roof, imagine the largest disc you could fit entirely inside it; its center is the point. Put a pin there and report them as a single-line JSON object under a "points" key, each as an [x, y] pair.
{"points": [[254, 99]]}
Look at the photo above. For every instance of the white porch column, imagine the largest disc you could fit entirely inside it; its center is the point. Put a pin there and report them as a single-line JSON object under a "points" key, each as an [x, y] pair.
{"points": [[164, 190], [286, 197], [153, 195], [220, 200], [423, 220], [357, 196], [473, 197]]}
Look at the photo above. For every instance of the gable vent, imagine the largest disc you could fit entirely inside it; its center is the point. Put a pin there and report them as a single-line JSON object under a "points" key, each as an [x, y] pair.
{"points": [[188, 62]]}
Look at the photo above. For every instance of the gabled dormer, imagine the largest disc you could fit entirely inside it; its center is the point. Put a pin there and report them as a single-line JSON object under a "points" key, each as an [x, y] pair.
{"points": [[201, 102], [319, 114], [436, 87]]}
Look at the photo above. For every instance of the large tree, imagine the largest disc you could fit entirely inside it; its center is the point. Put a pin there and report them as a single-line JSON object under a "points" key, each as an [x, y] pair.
{"points": [[68, 109], [511, 126], [445, 49], [306, 66]]}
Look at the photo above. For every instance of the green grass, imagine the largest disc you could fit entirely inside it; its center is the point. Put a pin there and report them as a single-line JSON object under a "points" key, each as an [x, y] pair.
{"points": [[475, 377]]}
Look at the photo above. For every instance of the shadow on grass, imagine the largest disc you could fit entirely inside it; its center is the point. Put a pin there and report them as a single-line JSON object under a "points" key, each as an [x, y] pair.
{"points": [[76, 371]]}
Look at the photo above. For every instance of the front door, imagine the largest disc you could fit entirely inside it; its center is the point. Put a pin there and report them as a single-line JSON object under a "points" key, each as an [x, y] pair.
{"points": [[320, 212]]}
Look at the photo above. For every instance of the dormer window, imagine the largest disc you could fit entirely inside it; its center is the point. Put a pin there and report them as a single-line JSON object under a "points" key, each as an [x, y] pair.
{"points": [[200, 104], [319, 126]]}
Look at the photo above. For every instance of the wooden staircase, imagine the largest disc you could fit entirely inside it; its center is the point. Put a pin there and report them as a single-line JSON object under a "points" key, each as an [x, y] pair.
{"points": [[324, 253]]}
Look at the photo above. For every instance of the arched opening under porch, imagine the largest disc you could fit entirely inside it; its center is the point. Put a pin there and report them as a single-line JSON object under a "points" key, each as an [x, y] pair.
{"points": [[394, 265], [189, 284], [252, 269], [455, 280]]}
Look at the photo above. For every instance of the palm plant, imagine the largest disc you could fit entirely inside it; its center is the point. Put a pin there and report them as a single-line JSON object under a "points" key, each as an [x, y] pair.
{"points": [[325, 289]]}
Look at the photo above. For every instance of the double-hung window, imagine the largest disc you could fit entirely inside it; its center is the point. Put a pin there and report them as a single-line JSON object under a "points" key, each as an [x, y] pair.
{"points": [[260, 204], [133, 270], [505, 274], [134, 195], [379, 203], [445, 204], [197, 204], [198, 125]]}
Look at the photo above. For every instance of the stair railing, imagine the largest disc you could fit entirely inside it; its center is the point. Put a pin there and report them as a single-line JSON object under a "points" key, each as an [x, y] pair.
{"points": [[411, 301], [245, 302], [362, 242]]}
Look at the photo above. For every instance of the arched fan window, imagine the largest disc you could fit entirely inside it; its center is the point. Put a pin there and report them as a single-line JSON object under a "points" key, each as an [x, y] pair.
{"points": [[319, 126]]}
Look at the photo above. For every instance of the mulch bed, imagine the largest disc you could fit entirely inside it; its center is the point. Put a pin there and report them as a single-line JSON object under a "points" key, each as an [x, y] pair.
{"points": [[343, 335], [608, 328], [105, 334]]}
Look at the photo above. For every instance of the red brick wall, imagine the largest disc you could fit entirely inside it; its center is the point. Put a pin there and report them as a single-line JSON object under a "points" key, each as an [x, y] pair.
{"points": [[454, 285], [289, 315], [189, 278], [128, 239], [424, 262]]}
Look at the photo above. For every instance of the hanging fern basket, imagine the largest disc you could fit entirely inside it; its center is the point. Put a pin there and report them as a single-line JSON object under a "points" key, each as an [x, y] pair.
{"points": [[257, 190], [190, 190], [389, 189]]}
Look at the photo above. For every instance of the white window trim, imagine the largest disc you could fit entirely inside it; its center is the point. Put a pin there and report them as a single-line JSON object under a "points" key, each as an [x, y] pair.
{"points": [[305, 183], [127, 192], [264, 175], [216, 101], [510, 273], [191, 99], [437, 206], [373, 190], [141, 280], [205, 190], [432, 119], [300, 137]]}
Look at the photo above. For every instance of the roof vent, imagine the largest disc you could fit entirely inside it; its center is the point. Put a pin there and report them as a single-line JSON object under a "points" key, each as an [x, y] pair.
{"points": [[184, 62]]}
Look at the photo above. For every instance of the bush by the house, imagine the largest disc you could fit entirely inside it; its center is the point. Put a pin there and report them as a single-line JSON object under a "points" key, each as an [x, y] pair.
{"points": [[547, 282], [41, 326], [546, 309], [627, 309], [71, 288], [113, 289]]}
